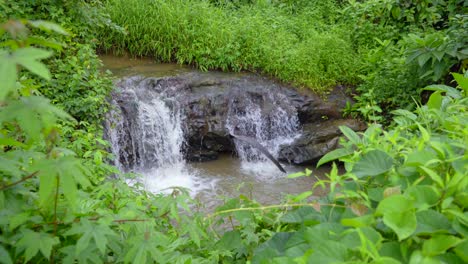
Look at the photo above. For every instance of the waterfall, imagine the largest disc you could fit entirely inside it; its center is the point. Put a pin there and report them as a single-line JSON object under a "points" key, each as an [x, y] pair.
{"points": [[271, 120], [145, 132]]}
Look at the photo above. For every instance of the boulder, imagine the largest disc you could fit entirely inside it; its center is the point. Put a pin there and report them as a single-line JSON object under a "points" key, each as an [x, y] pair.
{"points": [[316, 140]]}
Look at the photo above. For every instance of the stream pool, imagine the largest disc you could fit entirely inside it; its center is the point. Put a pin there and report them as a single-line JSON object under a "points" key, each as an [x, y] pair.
{"points": [[227, 176]]}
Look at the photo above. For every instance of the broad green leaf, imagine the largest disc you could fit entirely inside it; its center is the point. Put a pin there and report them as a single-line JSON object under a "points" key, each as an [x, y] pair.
{"points": [[274, 247], [333, 155], [373, 163], [438, 244], [435, 100], [462, 82], [419, 158], [391, 249], [350, 134], [403, 224], [431, 221], [462, 250], [303, 215], [29, 58], [32, 242], [361, 221], [450, 91], [231, 240], [418, 258], [398, 214], [5, 256], [7, 74], [424, 196]]}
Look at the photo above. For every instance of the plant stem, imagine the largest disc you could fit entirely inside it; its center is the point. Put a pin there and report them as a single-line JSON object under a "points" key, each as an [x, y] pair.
{"points": [[19, 181]]}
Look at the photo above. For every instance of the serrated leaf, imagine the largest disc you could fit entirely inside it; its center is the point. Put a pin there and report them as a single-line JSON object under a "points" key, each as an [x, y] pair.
{"points": [[28, 58], [33, 114], [18, 219], [33, 242], [48, 26], [7, 74], [373, 163], [333, 155], [91, 230], [5, 256]]}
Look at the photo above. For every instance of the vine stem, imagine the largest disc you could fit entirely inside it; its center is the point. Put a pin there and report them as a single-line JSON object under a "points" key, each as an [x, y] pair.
{"points": [[19, 181], [272, 207]]}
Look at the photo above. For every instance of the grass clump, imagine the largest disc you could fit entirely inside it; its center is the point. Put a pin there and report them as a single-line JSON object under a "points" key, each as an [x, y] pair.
{"points": [[292, 44]]}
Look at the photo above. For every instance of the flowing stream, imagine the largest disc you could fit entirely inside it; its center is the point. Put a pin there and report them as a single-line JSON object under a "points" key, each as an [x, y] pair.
{"points": [[147, 137]]}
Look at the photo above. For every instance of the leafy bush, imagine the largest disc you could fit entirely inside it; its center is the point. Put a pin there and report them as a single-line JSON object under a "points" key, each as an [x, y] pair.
{"points": [[416, 43], [52, 207], [402, 197], [295, 46]]}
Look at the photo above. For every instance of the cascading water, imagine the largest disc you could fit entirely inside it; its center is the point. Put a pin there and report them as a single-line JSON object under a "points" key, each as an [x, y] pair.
{"points": [[270, 120], [146, 137]]}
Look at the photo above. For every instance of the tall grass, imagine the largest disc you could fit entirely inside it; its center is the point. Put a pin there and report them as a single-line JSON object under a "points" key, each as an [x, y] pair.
{"points": [[299, 46]]}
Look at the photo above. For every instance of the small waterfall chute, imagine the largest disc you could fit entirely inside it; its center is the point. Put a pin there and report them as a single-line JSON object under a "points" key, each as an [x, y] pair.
{"points": [[146, 136], [269, 120]]}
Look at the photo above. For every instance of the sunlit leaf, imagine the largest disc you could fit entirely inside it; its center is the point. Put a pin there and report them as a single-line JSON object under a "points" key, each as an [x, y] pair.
{"points": [[334, 154], [398, 214], [438, 244], [350, 134]]}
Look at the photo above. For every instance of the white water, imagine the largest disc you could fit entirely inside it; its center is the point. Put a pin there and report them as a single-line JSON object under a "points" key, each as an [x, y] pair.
{"points": [[148, 140], [145, 131], [277, 125]]}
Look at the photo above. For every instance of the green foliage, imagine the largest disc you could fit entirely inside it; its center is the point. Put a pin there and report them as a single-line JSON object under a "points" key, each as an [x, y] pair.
{"points": [[408, 44], [297, 46], [401, 198], [55, 205]]}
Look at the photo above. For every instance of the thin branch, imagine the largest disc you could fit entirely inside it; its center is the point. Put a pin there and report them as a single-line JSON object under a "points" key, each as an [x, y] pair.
{"points": [[271, 207], [19, 181]]}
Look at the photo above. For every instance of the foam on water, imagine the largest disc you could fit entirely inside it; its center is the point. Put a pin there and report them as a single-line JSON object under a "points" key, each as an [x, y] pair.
{"points": [[271, 121], [146, 137]]}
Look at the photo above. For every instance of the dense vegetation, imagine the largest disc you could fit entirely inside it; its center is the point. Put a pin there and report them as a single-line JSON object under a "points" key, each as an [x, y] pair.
{"points": [[401, 199]]}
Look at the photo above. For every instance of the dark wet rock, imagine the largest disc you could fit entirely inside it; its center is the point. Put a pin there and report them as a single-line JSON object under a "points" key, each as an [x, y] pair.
{"points": [[202, 155], [207, 99], [316, 140]]}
